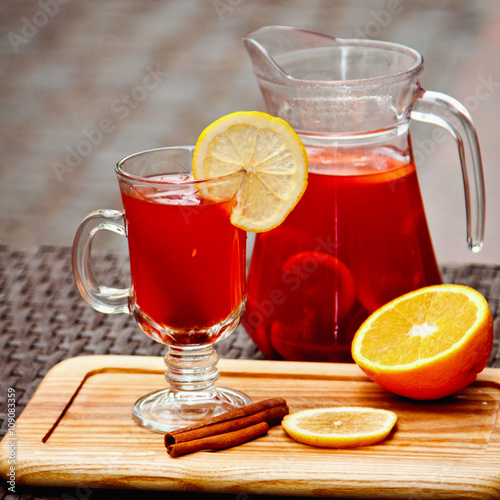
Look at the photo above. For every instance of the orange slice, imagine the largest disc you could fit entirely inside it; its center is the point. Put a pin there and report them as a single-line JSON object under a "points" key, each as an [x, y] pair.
{"points": [[428, 343], [313, 273], [343, 427], [270, 154]]}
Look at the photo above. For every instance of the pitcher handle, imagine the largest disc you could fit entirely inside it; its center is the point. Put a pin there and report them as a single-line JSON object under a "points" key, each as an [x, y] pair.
{"points": [[447, 112], [100, 297]]}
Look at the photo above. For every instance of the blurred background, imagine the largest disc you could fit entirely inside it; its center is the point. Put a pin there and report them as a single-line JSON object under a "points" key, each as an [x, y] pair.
{"points": [[85, 83]]}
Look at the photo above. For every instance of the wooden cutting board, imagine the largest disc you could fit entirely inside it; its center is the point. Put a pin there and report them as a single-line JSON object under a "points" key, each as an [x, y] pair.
{"points": [[77, 431]]}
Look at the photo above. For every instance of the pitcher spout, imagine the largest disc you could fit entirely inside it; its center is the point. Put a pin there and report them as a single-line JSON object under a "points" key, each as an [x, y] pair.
{"points": [[258, 45], [270, 41], [326, 85]]}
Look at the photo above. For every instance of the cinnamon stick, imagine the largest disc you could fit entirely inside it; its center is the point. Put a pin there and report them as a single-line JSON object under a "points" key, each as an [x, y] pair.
{"points": [[228, 429], [243, 411], [219, 441]]}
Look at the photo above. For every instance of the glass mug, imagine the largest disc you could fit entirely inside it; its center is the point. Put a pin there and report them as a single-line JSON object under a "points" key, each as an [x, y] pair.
{"points": [[359, 236], [187, 264]]}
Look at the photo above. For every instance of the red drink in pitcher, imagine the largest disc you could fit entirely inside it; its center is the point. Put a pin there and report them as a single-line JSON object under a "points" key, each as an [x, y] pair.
{"points": [[186, 259], [357, 239]]}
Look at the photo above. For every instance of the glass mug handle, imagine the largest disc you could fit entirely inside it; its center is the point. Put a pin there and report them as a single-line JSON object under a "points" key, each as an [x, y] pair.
{"points": [[102, 298], [445, 111]]}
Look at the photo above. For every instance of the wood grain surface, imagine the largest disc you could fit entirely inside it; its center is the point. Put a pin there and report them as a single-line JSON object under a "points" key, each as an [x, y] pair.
{"points": [[77, 430]]}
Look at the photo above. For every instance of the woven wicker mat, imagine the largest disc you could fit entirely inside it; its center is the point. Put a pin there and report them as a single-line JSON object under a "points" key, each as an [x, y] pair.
{"points": [[43, 320]]}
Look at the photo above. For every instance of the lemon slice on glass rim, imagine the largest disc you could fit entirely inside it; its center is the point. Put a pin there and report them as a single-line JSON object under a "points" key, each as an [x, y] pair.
{"points": [[272, 157]]}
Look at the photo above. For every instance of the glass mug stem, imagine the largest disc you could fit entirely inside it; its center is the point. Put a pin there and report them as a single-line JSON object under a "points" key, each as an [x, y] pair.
{"points": [[192, 368]]}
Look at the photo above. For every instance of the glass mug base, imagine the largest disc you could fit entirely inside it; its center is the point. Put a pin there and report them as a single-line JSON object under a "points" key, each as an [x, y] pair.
{"points": [[192, 394], [167, 410]]}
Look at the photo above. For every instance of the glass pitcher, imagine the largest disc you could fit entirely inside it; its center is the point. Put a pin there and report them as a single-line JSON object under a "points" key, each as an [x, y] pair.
{"points": [[359, 236]]}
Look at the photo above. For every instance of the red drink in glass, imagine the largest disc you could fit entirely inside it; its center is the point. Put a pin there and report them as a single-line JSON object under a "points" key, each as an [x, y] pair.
{"points": [[187, 262], [357, 239]]}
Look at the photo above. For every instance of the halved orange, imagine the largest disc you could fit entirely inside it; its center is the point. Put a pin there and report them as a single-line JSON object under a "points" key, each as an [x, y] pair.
{"points": [[341, 427], [428, 343]]}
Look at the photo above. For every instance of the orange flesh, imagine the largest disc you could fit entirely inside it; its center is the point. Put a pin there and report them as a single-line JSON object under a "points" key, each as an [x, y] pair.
{"points": [[418, 328]]}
